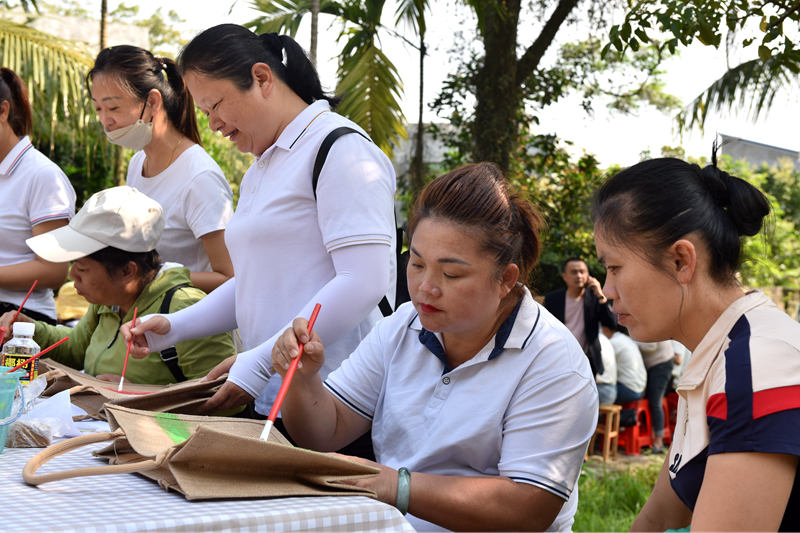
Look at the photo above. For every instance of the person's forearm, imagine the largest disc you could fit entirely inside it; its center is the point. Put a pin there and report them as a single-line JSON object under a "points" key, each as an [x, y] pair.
{"points": [[216, 313], [208, 281], [309, 414], [21, 276], [462, 503], [362, 275]]}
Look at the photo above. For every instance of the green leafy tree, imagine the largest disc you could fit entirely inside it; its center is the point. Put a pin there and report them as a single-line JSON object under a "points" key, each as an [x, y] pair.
{"points": [[731, 23], [496, 89]]}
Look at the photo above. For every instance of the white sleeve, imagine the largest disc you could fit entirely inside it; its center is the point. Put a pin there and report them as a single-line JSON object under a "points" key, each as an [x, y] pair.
{"points": [[361, 280], [215, 313]]}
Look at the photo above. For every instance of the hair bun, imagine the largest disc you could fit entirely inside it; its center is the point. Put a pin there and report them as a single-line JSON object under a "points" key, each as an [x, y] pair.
{"points": [[744, 204]]}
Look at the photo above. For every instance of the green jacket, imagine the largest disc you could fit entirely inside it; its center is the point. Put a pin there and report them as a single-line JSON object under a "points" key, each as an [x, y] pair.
{"points": [[96, 346]]}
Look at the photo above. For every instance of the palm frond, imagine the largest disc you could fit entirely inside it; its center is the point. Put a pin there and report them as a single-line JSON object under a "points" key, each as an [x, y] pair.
{"points": [[371, 90], [752, 84], [53, 69]]}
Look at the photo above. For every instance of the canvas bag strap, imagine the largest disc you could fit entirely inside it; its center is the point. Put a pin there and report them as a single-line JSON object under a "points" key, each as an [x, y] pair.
{"points": [[29, 471], [319, 162], [170, 355]]}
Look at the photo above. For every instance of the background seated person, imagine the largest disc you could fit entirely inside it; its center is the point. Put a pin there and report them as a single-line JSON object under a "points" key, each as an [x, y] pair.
{"points": [[472, 387], [607, 380], [111, 242], [631, 373]]}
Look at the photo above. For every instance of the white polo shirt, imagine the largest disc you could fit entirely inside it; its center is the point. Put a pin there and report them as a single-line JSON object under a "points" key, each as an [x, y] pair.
{"points": [[740, 392], [280, 236], [630, 365], [524, 407], [196, 200], [33, 190]]}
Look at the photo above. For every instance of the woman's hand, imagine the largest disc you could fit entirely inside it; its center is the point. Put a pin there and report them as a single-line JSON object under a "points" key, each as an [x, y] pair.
{"points": [[155, 324], [229, 396], [287, 347], [5, 322], [384, 484], [594, 285]]}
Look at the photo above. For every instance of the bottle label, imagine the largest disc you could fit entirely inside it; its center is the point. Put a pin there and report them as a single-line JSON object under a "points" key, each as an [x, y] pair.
{"points": [[14, 355]]}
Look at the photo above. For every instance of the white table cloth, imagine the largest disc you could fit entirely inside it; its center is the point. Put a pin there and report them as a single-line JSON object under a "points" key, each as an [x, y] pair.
{"points": [[128, 502]]}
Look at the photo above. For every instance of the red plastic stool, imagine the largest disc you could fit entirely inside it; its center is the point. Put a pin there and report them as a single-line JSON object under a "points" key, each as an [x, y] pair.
{"points": [[632, 438]]}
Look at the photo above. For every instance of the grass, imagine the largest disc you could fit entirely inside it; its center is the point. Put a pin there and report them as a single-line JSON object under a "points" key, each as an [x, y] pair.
{"points": [[611, 496]]}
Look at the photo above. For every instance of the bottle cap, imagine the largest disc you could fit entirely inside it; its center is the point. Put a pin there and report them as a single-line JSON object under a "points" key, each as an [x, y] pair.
{"points": [[24, 328]]}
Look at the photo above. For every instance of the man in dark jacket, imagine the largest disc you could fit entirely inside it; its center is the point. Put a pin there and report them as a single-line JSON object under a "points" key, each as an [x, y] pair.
{"points": [[582, 310]]}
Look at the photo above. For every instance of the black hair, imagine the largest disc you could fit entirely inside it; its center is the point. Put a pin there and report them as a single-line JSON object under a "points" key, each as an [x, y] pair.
{"points": [[570, 260], [478, 196], [139, 71], [13, 91], [114, 260], [654, 203], [229, 51]]}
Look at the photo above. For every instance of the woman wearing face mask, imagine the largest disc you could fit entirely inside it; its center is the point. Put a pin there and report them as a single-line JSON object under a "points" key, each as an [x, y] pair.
{"points": [[143, 104], [290, 247], [36, 198]]}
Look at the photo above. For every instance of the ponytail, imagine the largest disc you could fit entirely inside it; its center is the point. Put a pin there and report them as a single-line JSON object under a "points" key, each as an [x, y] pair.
{"points": [[180, 109], [13, 91], [229, 51]]}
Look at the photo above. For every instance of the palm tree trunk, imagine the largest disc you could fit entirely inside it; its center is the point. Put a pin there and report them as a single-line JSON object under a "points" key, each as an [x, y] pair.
{"points": [[103, 22], [314, 31], [417, 164]]}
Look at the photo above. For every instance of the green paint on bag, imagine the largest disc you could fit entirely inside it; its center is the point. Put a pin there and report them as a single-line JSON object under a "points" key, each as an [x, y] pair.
{"points": [[175, 428]]}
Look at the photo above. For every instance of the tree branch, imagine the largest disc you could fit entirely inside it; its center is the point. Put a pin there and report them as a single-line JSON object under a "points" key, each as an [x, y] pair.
{"points": [[533, 55]]}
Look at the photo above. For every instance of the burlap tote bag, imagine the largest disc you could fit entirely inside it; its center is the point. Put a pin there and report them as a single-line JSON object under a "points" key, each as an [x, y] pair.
{"points": [[207, 458], [91, 394]]}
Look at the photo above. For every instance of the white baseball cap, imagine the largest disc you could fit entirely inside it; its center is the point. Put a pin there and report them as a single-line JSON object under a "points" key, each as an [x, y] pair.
{"points": [[121, 217]]}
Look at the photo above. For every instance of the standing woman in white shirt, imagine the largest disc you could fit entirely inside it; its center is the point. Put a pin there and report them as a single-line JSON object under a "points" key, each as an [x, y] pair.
{"points": [[144, 105], [37, 198], [290, 247]]}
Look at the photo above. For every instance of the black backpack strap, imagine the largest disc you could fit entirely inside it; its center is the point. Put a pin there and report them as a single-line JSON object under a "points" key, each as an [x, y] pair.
{"points": [[170, 355], [324, 148], [319, 162]]}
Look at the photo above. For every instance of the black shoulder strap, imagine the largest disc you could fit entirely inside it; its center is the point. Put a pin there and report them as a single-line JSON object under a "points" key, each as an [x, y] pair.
{"points": [[324, 148], [170, 355], [319, 162]]}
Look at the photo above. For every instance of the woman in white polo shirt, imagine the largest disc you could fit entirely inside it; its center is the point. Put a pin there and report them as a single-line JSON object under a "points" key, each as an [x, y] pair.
{"points": [[143, 104], [290, 247], [480, 402], [669, 234], [36, 198]]}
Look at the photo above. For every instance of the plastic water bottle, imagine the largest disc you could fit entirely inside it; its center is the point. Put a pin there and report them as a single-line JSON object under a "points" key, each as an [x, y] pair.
{"points": [[20, 348]]}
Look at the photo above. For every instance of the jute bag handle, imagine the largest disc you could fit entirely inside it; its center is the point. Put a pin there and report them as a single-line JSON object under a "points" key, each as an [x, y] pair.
{"points": [[29, 472]]}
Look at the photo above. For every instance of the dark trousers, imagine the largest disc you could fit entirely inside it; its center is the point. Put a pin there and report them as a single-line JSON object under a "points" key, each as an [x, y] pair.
{"points": [[5, 307], [658, 377]]}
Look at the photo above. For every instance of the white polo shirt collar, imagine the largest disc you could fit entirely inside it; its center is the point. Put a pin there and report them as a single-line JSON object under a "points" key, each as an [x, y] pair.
{"points": [[705, 354], [512, 334], [11, 160], [296, 129]]}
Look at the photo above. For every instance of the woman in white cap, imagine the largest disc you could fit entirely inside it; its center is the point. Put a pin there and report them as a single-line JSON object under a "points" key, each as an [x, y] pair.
{"points": [[111, 242], [143, 104], [37, 197]]}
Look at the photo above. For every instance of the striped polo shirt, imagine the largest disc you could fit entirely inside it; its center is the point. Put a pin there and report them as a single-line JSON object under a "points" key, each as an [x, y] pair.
{"points": [[740, 392]]}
